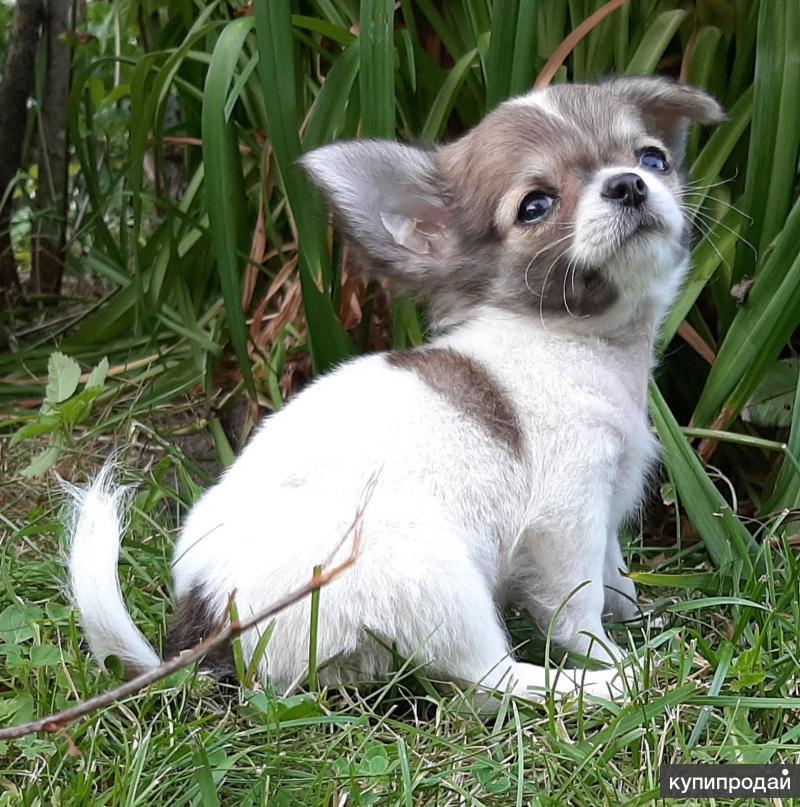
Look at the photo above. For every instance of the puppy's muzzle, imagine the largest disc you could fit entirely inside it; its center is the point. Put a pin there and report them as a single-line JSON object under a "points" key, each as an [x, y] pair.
{"points": [[628, 189]]}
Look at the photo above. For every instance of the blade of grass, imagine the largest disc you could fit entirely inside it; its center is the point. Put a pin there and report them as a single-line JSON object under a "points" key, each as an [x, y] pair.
{"points": [[405, 318], [258, 653], [147, 104], [523, 66], [703, 65], [568, 44], [405, 774], [205, 780], [716, 246], [714, 602], [327, 115], [313, 636], [786, 491], [451, 42], [325, 28], [225, 454], [724, 657], [709, 163], [689, 580], [83, 141]]}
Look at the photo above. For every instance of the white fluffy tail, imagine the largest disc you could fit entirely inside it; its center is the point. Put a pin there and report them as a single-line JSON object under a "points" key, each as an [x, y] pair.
{"points": [[94, 553]]}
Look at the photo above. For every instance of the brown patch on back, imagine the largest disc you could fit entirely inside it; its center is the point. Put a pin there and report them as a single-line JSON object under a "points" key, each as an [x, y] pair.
{"points": [[193, 621], [468, 387]]}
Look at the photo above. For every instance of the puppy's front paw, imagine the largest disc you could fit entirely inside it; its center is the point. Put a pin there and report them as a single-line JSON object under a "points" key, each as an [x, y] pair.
{"points": [[613, 684]]}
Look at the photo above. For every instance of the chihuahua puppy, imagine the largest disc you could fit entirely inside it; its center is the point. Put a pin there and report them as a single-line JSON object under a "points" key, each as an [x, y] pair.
{"points": [[549, 242]]}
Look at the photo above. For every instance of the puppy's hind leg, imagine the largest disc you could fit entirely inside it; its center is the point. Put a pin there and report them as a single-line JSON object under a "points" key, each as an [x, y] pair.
{"points": [[469, 644]]}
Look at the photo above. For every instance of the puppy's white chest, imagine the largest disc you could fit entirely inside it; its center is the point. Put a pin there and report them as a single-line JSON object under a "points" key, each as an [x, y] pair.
{"points": [[638, 454], [581, 403]]}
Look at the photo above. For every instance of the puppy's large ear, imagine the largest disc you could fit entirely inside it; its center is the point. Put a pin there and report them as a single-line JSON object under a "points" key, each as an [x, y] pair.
{"points": [[668, 108], [386, 198]]}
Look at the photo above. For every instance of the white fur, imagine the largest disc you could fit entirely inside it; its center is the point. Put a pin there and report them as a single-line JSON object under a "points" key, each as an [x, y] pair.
{"points": [[96, 533], [538, 99], [456, 522], [649, 272], [459, 524], [456, 525]]}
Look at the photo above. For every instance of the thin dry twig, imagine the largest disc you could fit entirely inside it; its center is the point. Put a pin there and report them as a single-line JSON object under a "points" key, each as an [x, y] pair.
{"points": [[696, 342], [707, 447], [58, 721], [258, 243], [187, 141], [571, 41]]}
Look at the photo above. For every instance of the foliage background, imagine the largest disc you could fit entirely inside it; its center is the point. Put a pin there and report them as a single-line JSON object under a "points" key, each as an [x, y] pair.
{"points": [[201, 265]]}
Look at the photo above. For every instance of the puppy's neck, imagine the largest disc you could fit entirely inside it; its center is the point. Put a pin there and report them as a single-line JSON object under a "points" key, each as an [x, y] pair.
{"points": [[520, 351], [635, 327]]}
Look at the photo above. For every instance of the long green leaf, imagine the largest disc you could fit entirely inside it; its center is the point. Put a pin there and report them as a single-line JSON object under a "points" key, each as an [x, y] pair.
{"points": [[786, 490], [500, 59], [376, 74], [709, 163], [722, 532], [147, 101], [703, 67], [689, 580], [329, 343], [775, 136], [327, 115], [224, 185], [655, 41], [83, 142], [443, 104], [205, 780], [717, 246], [760, 330], [524, 64], [724, 658]]}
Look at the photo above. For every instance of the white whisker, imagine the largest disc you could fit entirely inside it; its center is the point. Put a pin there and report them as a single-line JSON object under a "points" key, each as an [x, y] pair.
{"points": [[544, 249]]}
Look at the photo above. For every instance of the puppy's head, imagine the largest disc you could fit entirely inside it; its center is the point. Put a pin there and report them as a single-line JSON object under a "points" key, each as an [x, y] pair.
{"points": [[561, 203]]}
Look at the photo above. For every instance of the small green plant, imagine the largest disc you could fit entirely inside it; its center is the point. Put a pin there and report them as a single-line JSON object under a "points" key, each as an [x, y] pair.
{"points": [[63, 408]]}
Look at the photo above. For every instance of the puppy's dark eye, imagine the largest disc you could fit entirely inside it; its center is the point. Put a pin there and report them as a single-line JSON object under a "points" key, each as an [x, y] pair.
{"points": [[534, 207], [654, 159]]}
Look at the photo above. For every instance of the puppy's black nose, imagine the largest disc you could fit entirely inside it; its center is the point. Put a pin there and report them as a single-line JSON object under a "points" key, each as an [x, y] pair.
{"points": [[630, 189]]}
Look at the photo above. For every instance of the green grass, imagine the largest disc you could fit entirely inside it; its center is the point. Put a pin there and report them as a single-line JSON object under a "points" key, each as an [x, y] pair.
{"points": [[215, 303], [717, 683]]}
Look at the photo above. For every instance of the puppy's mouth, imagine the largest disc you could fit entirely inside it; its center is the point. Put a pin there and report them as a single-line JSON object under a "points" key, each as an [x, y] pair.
{"points": [[622, 233], [634, 225]]}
